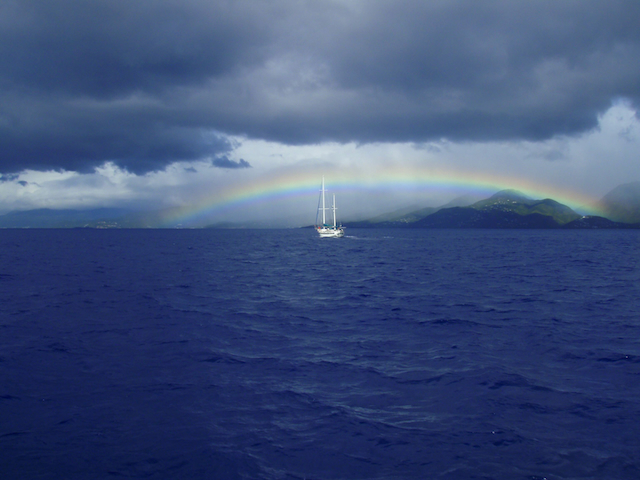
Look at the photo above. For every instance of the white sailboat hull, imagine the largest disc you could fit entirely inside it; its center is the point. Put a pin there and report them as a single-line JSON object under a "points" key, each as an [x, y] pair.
{"points": [[329, 232]]}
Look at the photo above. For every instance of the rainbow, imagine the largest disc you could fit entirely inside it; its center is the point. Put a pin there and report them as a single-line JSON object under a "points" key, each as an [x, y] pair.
{"points": [[298, 185]]}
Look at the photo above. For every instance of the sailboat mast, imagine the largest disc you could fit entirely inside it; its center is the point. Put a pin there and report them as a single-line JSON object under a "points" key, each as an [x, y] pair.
{"points": [[334, 211], [324, 220]]}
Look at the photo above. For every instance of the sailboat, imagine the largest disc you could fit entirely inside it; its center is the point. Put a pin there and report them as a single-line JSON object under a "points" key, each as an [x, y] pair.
{"points": [[325, 230]]}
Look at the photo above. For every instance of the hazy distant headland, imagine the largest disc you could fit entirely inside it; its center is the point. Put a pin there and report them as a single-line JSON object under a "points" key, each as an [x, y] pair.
{"points": [[620, 208]]}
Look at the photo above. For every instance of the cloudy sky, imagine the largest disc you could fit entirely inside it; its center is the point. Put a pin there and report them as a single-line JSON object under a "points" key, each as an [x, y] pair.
{"points": [[170, 103]]}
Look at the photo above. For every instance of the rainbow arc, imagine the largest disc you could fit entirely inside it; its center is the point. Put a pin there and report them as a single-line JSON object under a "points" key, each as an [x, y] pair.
{"points": [[305, 185]]}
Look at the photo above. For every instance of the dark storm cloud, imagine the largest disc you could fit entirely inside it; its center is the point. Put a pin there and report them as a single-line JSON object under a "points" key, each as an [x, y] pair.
{"points": [[8, 178], [224, 162], [146, 83]]}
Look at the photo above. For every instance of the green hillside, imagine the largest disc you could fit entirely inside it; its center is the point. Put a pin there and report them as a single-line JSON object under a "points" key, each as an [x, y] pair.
{"points": [[514, 201]]}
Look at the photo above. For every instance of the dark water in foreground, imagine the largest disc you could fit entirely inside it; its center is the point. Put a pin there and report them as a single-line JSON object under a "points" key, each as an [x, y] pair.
{"points": [[204, 354]]}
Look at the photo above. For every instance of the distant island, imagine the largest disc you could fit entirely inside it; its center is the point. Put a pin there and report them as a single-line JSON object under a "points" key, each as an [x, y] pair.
{"points": [[512, 209], [67, 218], [505, 209]]}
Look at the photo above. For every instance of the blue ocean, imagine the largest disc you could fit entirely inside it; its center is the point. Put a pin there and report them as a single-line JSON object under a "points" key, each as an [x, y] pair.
{"points": [[274, 354]]}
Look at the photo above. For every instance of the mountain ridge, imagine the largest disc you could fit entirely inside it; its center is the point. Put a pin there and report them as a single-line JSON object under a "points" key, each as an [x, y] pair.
{"points": [[512, 209], [514, 201]]}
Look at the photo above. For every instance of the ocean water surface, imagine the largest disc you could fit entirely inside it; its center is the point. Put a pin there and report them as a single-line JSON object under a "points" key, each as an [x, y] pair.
{"points": [[271, 354]]}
